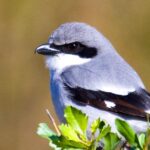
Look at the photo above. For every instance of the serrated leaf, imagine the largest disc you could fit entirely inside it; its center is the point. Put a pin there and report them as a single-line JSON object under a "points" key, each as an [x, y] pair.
{"points": [[126, 131], [44, 131], [77, 120], [142, 140], [62, 142], [111, 140], [95, 125], [103, 132], [67, 131]]}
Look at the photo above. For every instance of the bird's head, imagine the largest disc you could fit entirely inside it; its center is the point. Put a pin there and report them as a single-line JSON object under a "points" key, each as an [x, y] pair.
{"points": [[72, 44]]}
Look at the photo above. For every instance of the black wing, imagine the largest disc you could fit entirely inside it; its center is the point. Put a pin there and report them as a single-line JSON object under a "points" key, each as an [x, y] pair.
{"points": [[133, 104]]}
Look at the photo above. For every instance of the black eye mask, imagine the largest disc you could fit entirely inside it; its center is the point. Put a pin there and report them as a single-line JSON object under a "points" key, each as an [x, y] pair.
{"points": [[76, 48]]}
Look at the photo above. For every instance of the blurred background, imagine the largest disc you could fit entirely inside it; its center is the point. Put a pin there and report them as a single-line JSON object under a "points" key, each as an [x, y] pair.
{"points": [[24, 80]]}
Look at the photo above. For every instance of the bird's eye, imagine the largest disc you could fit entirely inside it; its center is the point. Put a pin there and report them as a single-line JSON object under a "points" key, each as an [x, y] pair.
{"points": [[72, 47]]}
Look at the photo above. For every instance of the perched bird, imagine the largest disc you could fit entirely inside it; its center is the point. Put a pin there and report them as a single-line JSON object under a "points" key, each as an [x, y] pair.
{"points": [[87, 73]]}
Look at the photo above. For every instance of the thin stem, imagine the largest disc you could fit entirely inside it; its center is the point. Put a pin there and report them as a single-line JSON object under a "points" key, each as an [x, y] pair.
{"points": [[53, 121]]}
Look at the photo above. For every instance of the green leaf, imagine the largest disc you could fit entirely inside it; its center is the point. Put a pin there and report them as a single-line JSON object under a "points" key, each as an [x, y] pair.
{"points": [[126, 131], [44, 131], [95, 125], [53, 146], [141, 139], [104, 131], [102, 124], [77, 120], [64, 143], [67, 131], [111, 140]]}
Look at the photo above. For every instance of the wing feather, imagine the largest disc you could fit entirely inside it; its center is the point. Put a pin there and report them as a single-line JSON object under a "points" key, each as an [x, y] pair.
{"points": [[134, 104]]}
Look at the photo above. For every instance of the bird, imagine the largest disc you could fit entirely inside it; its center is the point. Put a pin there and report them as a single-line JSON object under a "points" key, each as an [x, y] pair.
{"points": [[87, 72]]}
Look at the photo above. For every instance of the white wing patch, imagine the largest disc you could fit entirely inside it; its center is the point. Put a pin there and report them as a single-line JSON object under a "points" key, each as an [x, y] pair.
{"points": [[109, 104], [148, 111]]}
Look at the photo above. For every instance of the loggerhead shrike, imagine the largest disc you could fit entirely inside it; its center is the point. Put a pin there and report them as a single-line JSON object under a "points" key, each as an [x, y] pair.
{"points": [[87, 73]]}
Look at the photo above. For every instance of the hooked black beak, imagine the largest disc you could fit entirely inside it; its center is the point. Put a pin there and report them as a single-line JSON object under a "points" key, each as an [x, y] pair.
{"points": [[46, 49]]}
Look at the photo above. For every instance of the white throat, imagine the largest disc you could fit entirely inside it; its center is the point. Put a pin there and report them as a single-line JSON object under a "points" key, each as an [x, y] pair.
{"points": [[63, 61]]}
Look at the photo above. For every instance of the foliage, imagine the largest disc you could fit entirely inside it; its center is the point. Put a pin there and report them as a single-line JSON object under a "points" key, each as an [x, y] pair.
{"points": [[73, 135]]}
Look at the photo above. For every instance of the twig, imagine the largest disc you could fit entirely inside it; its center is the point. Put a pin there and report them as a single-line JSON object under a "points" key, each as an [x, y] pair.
{"points": [[53, 121]]}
